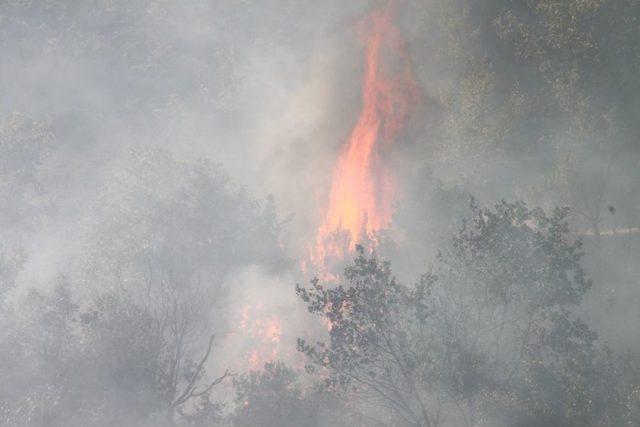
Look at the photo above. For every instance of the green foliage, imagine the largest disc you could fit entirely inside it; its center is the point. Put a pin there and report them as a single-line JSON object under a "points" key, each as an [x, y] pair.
{"points": [[489, 333], [276, 397], [371, 323]]}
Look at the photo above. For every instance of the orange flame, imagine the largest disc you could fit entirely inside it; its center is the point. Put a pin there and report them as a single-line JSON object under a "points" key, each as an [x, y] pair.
{"points": [[363, 187], [265, 333]]}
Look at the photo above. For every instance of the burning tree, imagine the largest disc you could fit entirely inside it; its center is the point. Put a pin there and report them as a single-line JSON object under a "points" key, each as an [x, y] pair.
{"points": [[371, 330]]}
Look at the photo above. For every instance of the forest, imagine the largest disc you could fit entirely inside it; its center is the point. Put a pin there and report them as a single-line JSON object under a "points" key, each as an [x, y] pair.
{"points": [[281, 213]]}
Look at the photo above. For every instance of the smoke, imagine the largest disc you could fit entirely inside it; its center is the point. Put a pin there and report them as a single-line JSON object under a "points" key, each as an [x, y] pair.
{"points": [[265, 320], [142, 135]]}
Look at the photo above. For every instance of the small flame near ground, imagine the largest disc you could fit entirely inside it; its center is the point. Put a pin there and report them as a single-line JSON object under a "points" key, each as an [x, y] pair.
{"points": [[363, 188], [265, 332]]}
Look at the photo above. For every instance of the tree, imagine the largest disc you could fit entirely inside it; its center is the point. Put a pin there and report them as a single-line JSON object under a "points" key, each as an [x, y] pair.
{"points": [[543, 92], [152, 374], [374, 326], [171, 235], [39, 353], [270, 398], [275, 396], [490, 332], [105, 364], [11, 262], [581, 56], [23, 147], [508, 286]]}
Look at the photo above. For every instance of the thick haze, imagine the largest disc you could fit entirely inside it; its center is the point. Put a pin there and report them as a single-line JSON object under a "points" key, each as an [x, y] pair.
{"points": [[173, 158]]}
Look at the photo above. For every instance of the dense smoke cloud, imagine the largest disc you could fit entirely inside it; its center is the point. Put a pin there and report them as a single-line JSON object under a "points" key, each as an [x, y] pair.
{"points": [[165, 166]]}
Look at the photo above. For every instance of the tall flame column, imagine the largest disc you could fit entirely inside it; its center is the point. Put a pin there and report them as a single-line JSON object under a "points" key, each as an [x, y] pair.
{"points": [[362, 191]]}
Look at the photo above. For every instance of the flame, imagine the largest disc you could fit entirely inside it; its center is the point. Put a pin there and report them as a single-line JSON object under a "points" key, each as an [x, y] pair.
{"points": [[265, 333], [363, 187], [362, 191]]}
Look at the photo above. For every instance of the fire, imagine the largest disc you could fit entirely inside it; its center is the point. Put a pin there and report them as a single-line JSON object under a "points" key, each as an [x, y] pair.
{"points": [[265, 332], [363, 190]]}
